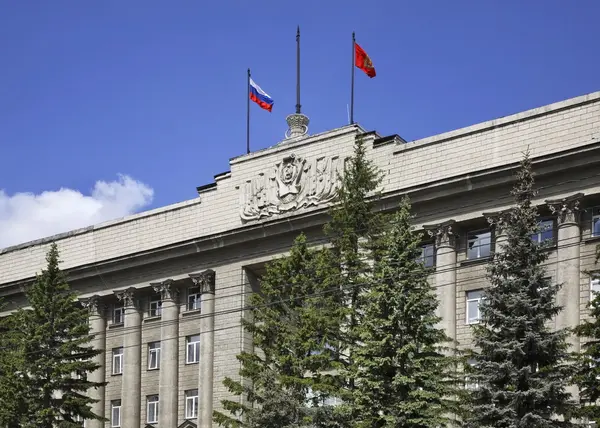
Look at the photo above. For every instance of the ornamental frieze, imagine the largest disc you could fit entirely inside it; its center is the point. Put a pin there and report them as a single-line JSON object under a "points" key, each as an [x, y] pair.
{"points": [[293, 183]]}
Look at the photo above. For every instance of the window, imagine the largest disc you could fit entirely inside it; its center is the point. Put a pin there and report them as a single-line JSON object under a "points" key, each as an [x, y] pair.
{"points": [[194, 298], [427, 255], [479, 244], [79, 419], [155, 307], [469, 384], [192, 353], [118, 314], [594, 287], [596, 221], [153, 355], [312, 400], [152, 409], [115, 413], [191, 404], [474, 298], [117, 361], [545, 234]]}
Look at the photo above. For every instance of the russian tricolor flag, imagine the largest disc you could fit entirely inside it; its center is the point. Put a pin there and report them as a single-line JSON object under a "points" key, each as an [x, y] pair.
{"points": [[260, 97]]}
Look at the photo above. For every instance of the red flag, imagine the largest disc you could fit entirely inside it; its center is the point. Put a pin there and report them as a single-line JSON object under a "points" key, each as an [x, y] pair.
{"points": [[363, 61]]}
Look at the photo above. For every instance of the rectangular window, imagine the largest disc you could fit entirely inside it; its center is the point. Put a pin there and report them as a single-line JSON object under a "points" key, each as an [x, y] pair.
{"points": [[470, 384], [117, 315], [155, 307], [473, 301], [594, 287], [152, 409], [191, 404], [194, 298], [192, 353], [479, 244], [596, 221], [117, 361], [427, 255], [153, 355], [545, 234], [115, 413]]}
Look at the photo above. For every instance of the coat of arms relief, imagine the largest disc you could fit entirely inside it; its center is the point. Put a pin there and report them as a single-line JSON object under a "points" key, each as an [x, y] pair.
{"points": [[292, 184]]}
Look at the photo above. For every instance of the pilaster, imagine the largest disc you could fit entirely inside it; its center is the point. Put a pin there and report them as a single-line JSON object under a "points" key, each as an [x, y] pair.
{"points": [[445, 273], [97, 322], [206, 282], [168, 378], [568, 269], [132, 359]]}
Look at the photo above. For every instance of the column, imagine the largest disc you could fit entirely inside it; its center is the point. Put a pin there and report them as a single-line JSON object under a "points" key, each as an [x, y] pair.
{"points": [[445, 274], [206, 282], [497, 221], [568, 263], [97, 323], [168, 378], [132, 360]]}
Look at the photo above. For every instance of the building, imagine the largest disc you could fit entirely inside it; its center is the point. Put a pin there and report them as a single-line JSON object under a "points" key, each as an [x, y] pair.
{"points": [[166, 288]]}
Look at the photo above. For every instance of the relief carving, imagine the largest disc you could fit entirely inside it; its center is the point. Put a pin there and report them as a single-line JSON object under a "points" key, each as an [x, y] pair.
{"points": [[292, 184]]}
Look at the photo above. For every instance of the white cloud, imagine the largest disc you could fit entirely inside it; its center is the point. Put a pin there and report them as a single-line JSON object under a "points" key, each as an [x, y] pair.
{"points": [[26, 216]]}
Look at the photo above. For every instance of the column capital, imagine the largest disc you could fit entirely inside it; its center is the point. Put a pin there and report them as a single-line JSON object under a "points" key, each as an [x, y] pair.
{"points": [[205, 280], [566, 209], [94, 305], [444, 233], [128, 297], [166, 289], [498, 220]]}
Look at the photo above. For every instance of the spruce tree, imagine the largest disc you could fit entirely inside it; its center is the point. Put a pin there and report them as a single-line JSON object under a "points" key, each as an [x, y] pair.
{"points": [[294, 318], [55, 354], [587, 376], [520, 363], [403, 378]]}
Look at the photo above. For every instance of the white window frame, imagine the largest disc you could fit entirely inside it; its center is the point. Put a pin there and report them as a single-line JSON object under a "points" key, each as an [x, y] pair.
{"points": [[471, 300], [471, 386], [537, 237], [423, 258], [115, 407], [594, 287], [154, 355], [191, 404], [192, 349], [595, 217], [118, 315], [117, 355], [477, 244], [194, 299], [152, 403], [155, 307]]}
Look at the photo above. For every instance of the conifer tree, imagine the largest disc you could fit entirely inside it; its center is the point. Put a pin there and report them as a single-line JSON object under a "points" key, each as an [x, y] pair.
{"points": [[520, 364], [403, 378], [294, 319], [55, 355], [587, 376]]}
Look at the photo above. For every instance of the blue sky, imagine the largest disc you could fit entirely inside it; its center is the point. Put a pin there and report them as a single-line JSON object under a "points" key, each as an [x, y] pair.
{"points": [[156, 90]]}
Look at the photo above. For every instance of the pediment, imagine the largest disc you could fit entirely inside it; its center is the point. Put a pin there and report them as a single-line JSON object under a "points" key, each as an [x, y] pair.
{"points": [[187, 424]]}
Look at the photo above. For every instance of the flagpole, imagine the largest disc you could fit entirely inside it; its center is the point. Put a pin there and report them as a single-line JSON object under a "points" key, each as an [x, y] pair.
{"points": [[298, 106], [248, 114], [352, 81]]}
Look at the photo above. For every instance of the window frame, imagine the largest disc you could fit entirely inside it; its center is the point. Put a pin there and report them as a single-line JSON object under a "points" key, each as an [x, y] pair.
{"points": [[595, 217], [594, 286], [196, 345], [478, 300], [190, 397], [154, 349], [114, 406], [479, 246], [197, 305], [538, 235], [117, 356], [152, 400], [423, 257], [118, 309], [157, 310]]}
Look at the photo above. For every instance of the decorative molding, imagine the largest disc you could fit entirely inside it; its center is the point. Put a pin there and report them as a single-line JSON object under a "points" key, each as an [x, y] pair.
{"points": [[566, 209], [205, 280], [128, 297], [443, 233], [166, 289], [297, 125], [94, 305], [498, 220], [292, 184]]}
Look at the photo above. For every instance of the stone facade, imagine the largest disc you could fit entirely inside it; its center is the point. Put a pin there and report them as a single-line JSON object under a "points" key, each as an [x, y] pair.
{"points": [[167, 288]]}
